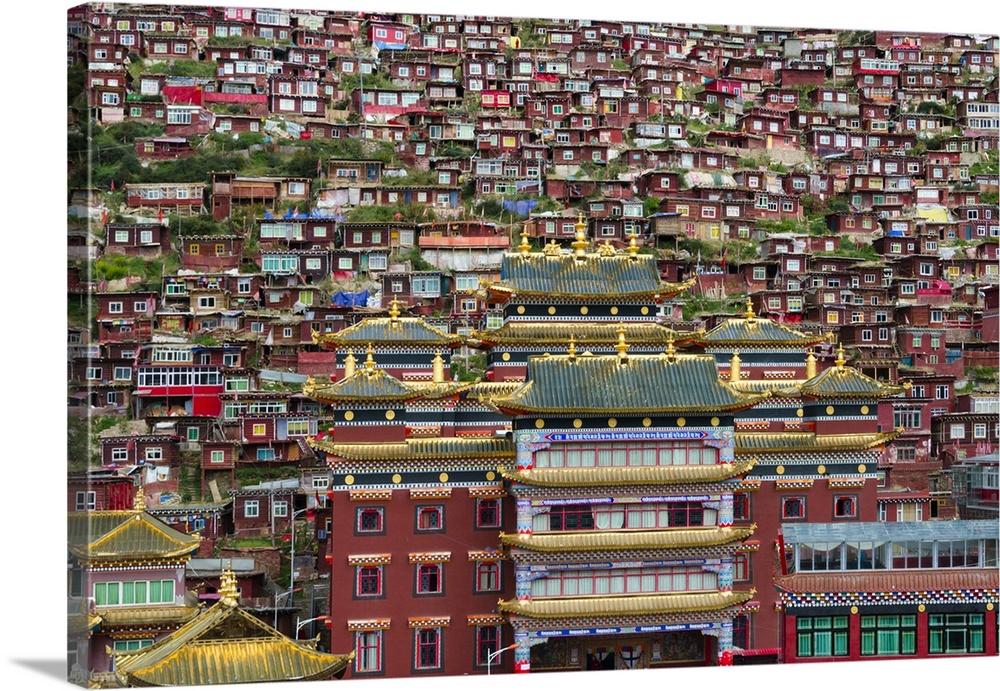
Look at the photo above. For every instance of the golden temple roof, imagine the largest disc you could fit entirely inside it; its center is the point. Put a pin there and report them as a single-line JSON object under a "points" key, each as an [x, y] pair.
{"points": [[604, 540], [133, 535], [368, 383], [624, 384], [421, 449], [628, 605], [225, 645], [145, 615], [583, 275], [583, 333], [483, 390], [800, 442], [662, 475]]}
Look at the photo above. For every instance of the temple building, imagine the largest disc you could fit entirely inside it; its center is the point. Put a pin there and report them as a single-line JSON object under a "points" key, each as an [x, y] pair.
{"points": [[552, 296], [404, 346], [909, 590], [126, 586], [623, 486], [226, 645], [418, 505]]}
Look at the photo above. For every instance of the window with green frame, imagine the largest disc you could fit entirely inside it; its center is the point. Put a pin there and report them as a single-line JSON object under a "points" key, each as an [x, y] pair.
{"points": [[889, 635], [124, 646], [956, 633], [821, 636], [134, 593]]}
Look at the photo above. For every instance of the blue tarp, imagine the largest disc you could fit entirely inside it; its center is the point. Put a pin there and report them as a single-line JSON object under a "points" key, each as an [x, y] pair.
{"points": [[343, 299], [521, 207]]}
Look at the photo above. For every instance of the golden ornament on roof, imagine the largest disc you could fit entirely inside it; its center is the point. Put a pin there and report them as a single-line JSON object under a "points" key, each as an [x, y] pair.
{"points": [[525, 246], [749, 313], [580, 244]]}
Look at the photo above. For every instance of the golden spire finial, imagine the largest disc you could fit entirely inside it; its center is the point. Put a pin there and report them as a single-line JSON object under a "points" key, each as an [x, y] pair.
{"points": [[438, 368], [228, 592], [621, 346], [840, 357], [370, 360], [394, 310], [810, 365], [749, 314], [525, 246], [633, 247], [571, 350], [139, 504], [350, 364], [580, 244], [671, 353], [734, 367]]}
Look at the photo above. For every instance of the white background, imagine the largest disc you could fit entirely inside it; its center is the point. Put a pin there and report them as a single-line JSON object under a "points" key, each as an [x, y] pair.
{"points": [[33, 336]]}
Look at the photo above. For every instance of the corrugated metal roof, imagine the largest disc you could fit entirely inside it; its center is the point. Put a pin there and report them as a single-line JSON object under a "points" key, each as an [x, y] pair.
{"points": [[367, 383], [643, 383], [398, 331], [624, 606], [840, 381], [750, 442], [890, 531], [585, 334], [666, 475], [585, 541]]}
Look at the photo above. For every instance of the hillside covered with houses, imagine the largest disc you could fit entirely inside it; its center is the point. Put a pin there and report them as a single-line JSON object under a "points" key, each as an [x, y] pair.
{"points": [[267, 207]]}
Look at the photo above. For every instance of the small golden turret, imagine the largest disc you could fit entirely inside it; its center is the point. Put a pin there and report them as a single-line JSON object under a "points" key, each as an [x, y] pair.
{"points": [[840, 358], [394, 311], [633, 247], [438, 363], [810, 365], [350, 364], [734, 367], [525, 246], [571, 350], [370, 360], [228, 592], [580, 244], [139, 504], [621, 346], [749, 313]]}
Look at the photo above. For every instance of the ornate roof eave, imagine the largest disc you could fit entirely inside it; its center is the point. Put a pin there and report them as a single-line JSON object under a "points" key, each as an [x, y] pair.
{"points": [[420, 449], [584, 334], [619, 477], [116, 617], [664, 290], [605, 540], [631, 605], [515, 409], [812, 443]]}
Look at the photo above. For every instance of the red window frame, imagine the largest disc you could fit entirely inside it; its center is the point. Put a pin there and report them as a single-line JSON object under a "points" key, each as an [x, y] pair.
{"points": [[741, 567], [487, 643], [685, 514], [430, 518], [368, 581], [427, 649], [741, 632], [369, 512], [845, 506], [487, 576], [582, 517], [786, 505], [741, 506], [430, 579], [365, 643], [487, 513]]}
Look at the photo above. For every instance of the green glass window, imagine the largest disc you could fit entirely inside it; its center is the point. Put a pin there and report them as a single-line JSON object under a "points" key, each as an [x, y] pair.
{"points": [[956, 633], [821, 636], [889, 635]]}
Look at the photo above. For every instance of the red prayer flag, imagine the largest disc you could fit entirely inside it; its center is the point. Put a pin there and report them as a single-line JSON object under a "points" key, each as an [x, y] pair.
{"points": [[287, 537], [159, 215], [112, 185]]}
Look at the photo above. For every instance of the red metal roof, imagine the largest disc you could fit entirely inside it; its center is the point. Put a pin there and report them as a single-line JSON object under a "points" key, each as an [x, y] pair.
{"points": [[908, 580]]}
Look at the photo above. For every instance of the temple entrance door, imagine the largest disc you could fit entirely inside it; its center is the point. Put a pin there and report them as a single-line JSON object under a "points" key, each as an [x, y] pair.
{"points": [[600, 658]]}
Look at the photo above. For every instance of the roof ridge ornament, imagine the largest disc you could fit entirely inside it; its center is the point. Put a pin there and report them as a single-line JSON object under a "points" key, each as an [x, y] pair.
{"points": [[580, 244], [633, 247], [350, 364], [228, 592], [670, 353], [840, 361], [438, 368], [734, 367], [139, 503], [621, 346], [370, 360], [810, 365], [571, 350], [749, 313], [394, 311], [525, 246]]}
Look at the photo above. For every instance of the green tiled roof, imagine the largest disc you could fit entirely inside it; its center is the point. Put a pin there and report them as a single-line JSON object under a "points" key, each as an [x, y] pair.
{"points": [[367, 383], [593, 276], [398, 331], [841, 381], [114, 535], [740, 331], [642, 383]]}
